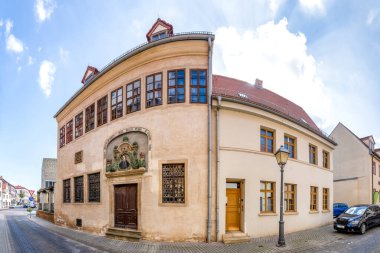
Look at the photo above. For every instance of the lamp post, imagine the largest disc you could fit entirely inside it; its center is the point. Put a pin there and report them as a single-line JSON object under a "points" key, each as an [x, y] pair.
{"points": [[282, 155]]}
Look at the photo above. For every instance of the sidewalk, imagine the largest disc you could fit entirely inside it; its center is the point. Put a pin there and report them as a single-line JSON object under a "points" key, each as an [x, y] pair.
{"points": [[313, 240]]}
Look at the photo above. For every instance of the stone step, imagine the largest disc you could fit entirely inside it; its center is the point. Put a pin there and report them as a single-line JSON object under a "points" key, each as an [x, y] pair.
{"points": [[232, 238], [124, 234]]}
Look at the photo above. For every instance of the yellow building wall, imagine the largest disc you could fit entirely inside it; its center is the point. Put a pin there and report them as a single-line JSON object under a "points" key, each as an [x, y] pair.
{"points": [[240, 158], [178, 132]]}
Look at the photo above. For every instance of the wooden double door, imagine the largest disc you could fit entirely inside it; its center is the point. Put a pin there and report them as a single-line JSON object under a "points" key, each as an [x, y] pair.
{"points": [[126, 206]]}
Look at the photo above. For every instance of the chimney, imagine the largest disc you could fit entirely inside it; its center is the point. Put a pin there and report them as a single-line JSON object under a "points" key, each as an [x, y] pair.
{"points": [[259, 83]]}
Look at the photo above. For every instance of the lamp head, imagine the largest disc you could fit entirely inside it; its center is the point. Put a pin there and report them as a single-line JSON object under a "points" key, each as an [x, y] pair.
{"points": [[282, 155]]}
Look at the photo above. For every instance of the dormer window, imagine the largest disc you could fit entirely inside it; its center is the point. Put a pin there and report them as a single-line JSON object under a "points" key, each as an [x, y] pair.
{"points": [[160, 30], [159, 36], [89, 74]]}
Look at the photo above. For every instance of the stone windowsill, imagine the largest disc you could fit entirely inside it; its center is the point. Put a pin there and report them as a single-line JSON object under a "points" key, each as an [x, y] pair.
{"points": [[290, 213], [325, 211], [123, 173], [312, 212], [268, 214]]}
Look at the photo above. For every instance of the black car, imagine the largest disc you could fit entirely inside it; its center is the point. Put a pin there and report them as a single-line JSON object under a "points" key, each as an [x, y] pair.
{"points": [[358, 218]]}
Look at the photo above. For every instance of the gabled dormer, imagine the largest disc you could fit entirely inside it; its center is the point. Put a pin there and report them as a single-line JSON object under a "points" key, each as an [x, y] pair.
{"points": [[370, 142], [160, 29], [90, 72]]}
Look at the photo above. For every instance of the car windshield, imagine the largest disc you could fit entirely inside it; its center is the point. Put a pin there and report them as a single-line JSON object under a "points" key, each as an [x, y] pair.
{"points": [[356, 210]]}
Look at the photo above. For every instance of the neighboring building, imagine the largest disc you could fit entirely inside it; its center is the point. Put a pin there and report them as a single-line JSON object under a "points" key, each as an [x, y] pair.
{"points": [[45, 194], [133, 154], [22, 195], [356, 168]]}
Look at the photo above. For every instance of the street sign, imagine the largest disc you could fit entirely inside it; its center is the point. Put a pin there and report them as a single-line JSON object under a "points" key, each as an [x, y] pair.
{"points": [[31, 198]]}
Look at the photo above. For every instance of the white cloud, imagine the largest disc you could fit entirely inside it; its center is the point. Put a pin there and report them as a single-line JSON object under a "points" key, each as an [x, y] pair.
{"points": [[46, 76], [274, 5], [372, 15], [44, 9], [278, 57], [39, 49], [30, 60], [313, 6], [8, 26], [64, 55], [14, 45], [1, 23], [19, 69]]}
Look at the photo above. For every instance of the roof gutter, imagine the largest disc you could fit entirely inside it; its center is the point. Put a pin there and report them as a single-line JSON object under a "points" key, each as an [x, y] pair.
{"points": [[135, 51], [267, 109]]}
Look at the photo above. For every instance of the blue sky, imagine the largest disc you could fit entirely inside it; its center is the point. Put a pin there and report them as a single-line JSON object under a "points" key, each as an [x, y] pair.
{"points": [[321, 54]]}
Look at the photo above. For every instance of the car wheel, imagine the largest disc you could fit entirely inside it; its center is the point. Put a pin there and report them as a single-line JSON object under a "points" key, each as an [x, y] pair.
{"points": [[363, 229]]}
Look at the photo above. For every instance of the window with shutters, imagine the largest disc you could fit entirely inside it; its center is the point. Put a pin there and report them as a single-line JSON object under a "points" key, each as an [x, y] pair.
{"points": [[173, 183], [94, 187]]}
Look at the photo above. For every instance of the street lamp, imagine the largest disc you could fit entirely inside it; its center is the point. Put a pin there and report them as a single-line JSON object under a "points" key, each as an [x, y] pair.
{"points": [[282, 155]]}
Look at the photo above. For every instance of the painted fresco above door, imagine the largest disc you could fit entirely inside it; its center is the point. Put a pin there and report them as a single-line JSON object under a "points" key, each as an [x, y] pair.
{"points": [[126, 152]]}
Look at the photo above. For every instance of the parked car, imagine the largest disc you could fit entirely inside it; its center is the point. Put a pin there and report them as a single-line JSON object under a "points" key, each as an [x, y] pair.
{"points": [[12, 206], [358, 218], [25, 206], [339, 208]]}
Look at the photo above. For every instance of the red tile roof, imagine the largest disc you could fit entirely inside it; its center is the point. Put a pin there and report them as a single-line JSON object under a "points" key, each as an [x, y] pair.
{"points": [[246, 92]]}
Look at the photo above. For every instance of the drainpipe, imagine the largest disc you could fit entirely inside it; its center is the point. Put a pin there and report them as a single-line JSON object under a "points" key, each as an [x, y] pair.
{"points": [[217, 166], [373, 199], [209, 140]]}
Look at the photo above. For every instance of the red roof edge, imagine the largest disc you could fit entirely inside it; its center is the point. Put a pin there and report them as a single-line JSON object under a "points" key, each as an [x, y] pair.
{"points": [[154, 26]]}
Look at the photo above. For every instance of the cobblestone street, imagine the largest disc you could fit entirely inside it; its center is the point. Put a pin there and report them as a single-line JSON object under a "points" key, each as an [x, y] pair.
{"points": [[19, 233]]}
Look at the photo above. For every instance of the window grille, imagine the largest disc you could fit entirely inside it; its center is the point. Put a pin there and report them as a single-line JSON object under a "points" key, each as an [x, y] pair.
{"points": [[78, 184], [78, 157], [94, 187], [66, 190], [173, 183]]}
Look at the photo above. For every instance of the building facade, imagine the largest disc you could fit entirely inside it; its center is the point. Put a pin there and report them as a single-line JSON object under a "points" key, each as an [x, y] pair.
{"points": [[156, 146], [356, 168], [45, 194]]}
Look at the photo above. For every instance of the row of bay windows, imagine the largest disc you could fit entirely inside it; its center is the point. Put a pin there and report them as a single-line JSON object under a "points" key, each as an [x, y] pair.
{"points": [[85, 121], [267, 140], [268, 197]]}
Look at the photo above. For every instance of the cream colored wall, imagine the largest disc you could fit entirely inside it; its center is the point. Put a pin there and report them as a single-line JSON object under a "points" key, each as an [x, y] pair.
{"points": [[178, 132], [351, 159], [241, 159]]}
